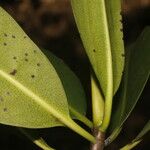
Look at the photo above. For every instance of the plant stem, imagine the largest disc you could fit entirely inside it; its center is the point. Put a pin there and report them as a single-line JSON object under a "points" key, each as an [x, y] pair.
{"points": [[81, 117], [100, 137], [131, 145], [97, 103]]}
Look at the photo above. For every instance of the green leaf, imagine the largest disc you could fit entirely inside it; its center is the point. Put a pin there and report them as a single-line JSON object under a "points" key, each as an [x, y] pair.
{"points": [[137, 70], [130, 145], [99, 24], [138, 139], [73, 88], [143, 132], [30, 88], [34, 136], [31, 93]]}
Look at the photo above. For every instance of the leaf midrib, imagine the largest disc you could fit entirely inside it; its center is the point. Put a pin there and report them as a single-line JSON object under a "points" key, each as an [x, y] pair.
{"points": [[109, 88], [50, 109]]}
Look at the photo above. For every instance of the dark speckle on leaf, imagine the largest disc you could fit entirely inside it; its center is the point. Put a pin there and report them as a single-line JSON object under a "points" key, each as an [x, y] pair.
{"points": [[32, 76], [13, 72], [25, 37], [15, 57], [5, 34], [26, 59], [121, 30], [94, 50], [34, 51], [38, 64], [5, 109], [7, 93], [26, 54], [5, 44], [13, 36], [123, 55]]}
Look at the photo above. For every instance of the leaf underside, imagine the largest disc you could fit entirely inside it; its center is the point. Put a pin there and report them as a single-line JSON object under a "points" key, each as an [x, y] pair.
{"points": [[30, 88], [99, 24]]}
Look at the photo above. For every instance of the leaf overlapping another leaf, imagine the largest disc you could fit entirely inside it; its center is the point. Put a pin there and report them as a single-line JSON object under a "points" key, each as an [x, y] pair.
{"points": [[136, 74], [31, 92]]}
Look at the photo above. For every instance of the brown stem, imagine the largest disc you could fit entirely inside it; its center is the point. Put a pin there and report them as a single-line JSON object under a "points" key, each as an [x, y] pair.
{"points": [[100, 138]]}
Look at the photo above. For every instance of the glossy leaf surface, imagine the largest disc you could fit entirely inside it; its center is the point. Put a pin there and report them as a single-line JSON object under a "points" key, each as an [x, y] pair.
{"points": [[99, 24]]}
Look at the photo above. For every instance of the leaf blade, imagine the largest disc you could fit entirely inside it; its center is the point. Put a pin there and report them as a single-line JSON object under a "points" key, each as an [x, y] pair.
{"points": [[25, 76], [101, 34], [16, 55], [74, 95], [143, 131], [35, 138], [73, 88], [137, 72]]}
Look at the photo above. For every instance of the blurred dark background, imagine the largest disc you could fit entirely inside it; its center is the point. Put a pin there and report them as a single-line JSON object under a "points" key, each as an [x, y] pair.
{"points": [[50, 24]]}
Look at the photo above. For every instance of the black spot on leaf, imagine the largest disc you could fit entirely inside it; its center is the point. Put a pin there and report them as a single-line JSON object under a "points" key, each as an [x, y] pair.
{"points": [[32, 76], [26, 54], [25, 37], [5, 109], [34, 51], [13, 36], [26, 59], [5, 44], [14, 57], [13, 72], [5, 34], [38, 64], [123, 55], [94, 50], [121, 30], [8, 93]]}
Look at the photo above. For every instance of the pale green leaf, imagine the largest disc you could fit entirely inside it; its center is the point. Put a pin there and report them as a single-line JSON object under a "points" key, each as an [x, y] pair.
{"points": [[31, 93], [99, 24], [136, 74]]}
